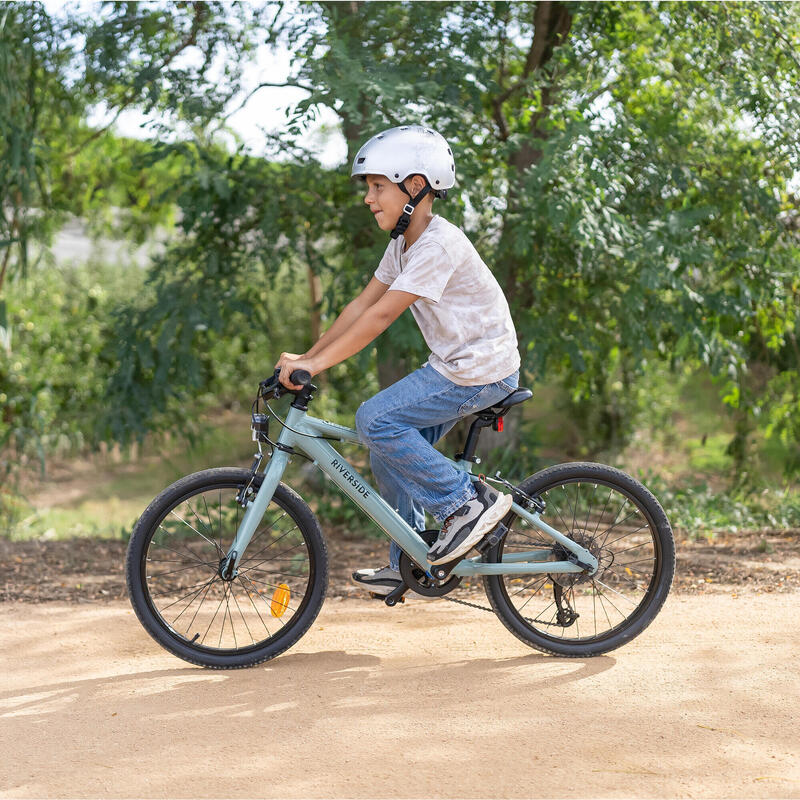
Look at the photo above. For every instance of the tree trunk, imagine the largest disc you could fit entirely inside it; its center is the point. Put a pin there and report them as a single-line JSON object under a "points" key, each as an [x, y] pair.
{"points": [[552, 22], [315, 296]]}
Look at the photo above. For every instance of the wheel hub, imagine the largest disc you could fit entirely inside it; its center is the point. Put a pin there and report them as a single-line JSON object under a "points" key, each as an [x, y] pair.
{"points": [[226, 570], [589, 542]]}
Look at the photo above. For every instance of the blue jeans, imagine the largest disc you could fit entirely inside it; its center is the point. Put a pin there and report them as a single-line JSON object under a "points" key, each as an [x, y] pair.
{"points": [[400, 425]]}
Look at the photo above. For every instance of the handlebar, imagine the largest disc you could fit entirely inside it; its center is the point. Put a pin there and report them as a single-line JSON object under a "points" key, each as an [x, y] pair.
{"points": [[300, 377]]}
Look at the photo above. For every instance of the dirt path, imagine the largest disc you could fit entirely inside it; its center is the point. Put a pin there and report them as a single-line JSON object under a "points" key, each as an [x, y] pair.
{"points": [[425, 700]]}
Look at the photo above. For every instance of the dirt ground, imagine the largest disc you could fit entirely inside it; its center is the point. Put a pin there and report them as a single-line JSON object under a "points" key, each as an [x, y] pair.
{"points": [[425, 700]]}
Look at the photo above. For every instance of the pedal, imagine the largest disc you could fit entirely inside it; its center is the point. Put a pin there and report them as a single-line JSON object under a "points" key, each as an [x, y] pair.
{"points": [[492, 538], [383, 597], [396, 594]]}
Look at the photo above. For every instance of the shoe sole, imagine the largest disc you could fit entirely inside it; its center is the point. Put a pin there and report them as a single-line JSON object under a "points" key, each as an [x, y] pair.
{"points": [[485, 525], [386, 590], [376, 588]]}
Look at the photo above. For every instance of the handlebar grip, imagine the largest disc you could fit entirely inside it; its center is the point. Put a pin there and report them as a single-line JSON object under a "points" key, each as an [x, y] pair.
{"points": [[300, 377]]}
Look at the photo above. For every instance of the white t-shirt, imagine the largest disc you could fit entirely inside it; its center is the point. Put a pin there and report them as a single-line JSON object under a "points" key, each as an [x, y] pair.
{"points": [[462, 311]]}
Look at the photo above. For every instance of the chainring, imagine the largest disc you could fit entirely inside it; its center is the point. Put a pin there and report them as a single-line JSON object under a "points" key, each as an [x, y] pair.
{"points": [[416, 578]]}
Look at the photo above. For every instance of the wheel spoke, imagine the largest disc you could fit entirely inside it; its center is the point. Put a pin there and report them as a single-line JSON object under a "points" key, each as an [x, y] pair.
{"points": [[543, 580], [173, 550], [211, 525], [566, 527], [195, 593], [182, 569], [202, 536], [199, 607], [250, 598], [274, 541], [589, 510], [575, 507], [172, 591], [602, 513], [633, 513], [264, 560], [611, 589], [239, 609], [629, 533]]}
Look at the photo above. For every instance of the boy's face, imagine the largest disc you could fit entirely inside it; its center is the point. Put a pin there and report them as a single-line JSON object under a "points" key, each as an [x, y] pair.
{"points": [[386, 199]]}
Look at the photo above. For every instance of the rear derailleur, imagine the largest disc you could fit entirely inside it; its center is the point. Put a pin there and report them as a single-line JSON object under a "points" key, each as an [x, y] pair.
{"points": [[566, 615]]}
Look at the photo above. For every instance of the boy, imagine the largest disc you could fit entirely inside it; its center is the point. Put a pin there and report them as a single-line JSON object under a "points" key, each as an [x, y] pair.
{"points": [[432, 267]]}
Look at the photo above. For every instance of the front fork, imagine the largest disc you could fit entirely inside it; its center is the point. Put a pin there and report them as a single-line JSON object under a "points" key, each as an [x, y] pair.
{"points": [[254, 511]]}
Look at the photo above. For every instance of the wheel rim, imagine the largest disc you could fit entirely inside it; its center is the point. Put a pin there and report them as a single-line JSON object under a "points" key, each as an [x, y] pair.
{"points": [[184, 586], [618, 530]]}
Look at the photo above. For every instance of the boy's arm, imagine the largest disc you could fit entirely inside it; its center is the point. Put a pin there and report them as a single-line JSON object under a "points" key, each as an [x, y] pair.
{"points": [[372, 322], [372, 292]]}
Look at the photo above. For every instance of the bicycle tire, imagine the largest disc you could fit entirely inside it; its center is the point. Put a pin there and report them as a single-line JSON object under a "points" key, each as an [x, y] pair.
{"points": [[529, 629], [140, 579]]}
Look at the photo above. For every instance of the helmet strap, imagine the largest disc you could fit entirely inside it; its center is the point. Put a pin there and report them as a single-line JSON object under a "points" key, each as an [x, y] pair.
{"points": [[408, 208]]}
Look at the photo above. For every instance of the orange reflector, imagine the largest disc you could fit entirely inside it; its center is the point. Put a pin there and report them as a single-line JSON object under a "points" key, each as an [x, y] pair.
{"points": [[280, 600], [499, 423]]}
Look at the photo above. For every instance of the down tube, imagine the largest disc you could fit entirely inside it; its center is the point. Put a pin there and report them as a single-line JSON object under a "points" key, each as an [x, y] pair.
{"points": [[365, 497]]}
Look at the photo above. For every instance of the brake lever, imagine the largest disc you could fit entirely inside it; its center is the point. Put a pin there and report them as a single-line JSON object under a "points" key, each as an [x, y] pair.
{"points": [[271, 384]]}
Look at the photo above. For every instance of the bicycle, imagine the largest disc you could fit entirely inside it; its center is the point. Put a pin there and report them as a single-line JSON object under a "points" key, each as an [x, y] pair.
{"points": [[242, 539]]}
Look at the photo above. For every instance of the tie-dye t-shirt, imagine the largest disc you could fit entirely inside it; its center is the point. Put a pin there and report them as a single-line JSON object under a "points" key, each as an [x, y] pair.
{"points": [[462, 311]]}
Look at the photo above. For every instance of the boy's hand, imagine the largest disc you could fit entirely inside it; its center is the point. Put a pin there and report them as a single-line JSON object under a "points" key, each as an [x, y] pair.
{"points": [[289, 366], [287, 357]]}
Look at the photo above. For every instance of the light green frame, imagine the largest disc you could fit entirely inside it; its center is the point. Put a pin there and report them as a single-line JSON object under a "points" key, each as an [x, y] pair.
{"points": [[299, 432]]}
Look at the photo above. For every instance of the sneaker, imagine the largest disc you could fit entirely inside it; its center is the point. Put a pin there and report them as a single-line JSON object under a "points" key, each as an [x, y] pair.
{"points": [[381, 581], [467, 526]]}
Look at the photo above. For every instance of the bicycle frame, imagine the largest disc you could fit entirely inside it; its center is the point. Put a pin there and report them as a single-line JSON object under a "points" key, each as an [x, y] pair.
{"points": [[374, 506]]}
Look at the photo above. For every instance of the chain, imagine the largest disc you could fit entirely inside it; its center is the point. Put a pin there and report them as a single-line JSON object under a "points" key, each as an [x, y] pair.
{"points": [[491, 610], [466, 603]]}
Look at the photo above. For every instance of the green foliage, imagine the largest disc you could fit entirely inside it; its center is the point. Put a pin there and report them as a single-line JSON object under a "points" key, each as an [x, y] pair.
{"points": [[54, 368], [638, 154], [36, 106], [624, 169], [696, 509]]}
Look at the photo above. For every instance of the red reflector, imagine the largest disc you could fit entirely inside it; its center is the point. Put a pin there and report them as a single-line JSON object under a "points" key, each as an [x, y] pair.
{"points": [[499, 423]]}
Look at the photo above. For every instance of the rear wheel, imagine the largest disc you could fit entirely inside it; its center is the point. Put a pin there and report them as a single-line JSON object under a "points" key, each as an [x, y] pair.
{"points": [[622, 524], [191, 606]]}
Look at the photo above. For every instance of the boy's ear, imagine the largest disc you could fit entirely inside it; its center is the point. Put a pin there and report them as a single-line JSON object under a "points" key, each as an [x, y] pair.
{"points": [[416, 184]]}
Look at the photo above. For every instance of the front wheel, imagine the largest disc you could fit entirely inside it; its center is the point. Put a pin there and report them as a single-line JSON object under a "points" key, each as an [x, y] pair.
{"points": [[190, 606], [623, 525]]}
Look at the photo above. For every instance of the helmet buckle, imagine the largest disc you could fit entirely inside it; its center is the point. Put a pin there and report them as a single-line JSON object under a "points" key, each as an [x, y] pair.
{"points": [[408, 209]]}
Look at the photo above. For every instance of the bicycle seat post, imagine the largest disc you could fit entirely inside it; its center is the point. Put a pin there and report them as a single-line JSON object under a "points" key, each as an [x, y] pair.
{"points": [[481, 421]]}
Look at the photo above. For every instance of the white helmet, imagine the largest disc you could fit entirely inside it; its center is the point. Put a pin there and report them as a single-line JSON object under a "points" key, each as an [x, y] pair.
{"points": [[403, 151], [408, 150]]}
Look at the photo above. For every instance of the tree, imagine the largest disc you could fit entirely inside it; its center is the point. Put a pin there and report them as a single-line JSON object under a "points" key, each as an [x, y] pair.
{"points": [[624, 169], [629, 164]]}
